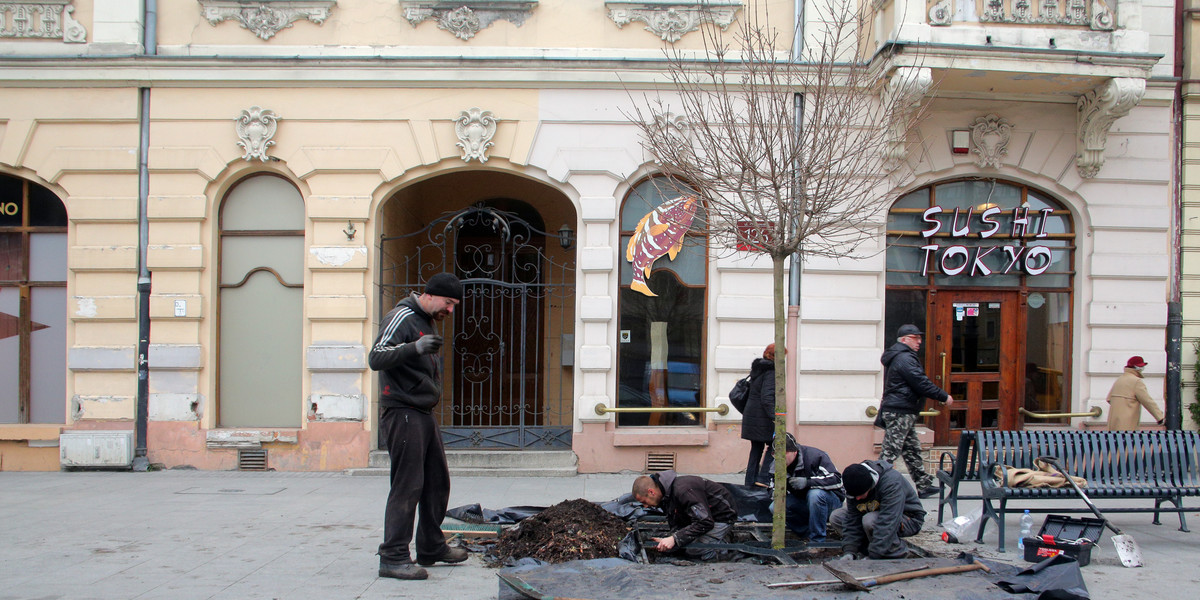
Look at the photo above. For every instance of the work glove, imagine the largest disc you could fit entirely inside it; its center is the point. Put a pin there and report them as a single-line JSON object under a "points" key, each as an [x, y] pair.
{"points": [[847, 556], [797, 484], [429, 344]]}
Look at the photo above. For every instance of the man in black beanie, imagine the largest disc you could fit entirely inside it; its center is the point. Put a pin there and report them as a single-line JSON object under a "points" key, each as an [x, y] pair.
{"points": [[881, 507], [406, 354]]}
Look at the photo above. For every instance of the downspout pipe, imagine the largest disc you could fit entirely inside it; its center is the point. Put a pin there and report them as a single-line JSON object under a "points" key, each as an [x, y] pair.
{"points": [[141, 461], [1173, 394]]}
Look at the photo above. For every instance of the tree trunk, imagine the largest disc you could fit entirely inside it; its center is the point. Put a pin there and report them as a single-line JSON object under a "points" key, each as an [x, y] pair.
{"points": [[779, 516]]}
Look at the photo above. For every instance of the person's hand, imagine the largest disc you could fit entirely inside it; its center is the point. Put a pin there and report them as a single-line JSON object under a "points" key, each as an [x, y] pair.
{"points": [[665, 544], [429, 344], [949, 400], [797, 483]]}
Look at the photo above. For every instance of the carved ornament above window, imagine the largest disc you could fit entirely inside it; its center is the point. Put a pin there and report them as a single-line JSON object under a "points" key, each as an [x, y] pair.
{"points": [[671, 19], [40, 19], [465, 18], [265, 18], [1094, 14]]}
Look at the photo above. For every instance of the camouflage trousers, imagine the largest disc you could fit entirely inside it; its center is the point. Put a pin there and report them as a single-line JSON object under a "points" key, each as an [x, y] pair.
{"points": [[900, 441]]}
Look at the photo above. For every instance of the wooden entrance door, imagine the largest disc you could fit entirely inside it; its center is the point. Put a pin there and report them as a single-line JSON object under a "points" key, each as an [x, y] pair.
{"points": [[974, 345]]}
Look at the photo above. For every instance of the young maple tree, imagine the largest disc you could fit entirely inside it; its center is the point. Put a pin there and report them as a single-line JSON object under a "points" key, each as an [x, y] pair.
{"points": [[792, 139]]}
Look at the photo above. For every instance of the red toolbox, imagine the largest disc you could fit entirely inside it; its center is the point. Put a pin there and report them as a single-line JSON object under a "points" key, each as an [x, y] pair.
{"points": [[1065, 535]]}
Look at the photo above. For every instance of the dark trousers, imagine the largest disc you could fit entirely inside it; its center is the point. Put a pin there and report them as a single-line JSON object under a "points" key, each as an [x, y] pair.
{"points": [[420, 485], [764, 473]]}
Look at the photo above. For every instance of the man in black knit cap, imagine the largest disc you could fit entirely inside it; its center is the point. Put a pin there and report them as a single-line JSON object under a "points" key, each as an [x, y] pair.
{"points": [[406, 354], [881, 507]]}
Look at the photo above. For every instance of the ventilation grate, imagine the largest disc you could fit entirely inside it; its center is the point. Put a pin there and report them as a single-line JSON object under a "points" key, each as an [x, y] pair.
{"points": [[660, 461], [252, 460]]}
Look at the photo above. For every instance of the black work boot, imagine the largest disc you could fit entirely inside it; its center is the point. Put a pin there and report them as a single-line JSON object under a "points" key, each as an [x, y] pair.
{"points": [[451, 555], [402, 571]]}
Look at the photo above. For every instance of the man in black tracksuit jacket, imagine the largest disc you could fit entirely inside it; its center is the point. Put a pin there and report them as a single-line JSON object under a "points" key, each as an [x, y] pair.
{"points": [[698, 510], [406, 354], [881, 507]]}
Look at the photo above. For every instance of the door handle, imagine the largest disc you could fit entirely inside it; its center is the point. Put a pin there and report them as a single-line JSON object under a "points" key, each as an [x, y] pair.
{"points": [[943, 376]]}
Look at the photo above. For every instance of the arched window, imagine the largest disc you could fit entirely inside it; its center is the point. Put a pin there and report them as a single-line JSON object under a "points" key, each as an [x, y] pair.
{"points": [[260, 305], [660, 346], [33, 303], [985, 268]]}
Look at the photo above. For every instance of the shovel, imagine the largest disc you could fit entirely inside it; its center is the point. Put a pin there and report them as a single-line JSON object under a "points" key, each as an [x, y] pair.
{"points": [[799, 584], [1127, 548], [865, 584]]}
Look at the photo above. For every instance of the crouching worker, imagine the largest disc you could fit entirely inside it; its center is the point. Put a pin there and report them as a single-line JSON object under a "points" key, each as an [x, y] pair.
{"points": [[881, 507], [698, 511], [814, 490]]}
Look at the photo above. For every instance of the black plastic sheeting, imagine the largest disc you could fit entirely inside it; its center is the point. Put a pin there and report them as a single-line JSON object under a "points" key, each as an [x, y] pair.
{"points": [[753, 504], [1057, 578]]}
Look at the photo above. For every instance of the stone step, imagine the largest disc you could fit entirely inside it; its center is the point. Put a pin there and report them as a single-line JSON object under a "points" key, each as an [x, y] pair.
{"points": [[490, 463]]}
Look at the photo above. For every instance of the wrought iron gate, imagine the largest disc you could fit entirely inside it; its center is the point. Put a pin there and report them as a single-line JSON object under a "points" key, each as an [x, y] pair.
{"points": [[508, 357]]}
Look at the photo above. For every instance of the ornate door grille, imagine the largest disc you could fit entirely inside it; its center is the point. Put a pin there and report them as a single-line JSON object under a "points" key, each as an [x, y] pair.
{"points": [[509, 345]]}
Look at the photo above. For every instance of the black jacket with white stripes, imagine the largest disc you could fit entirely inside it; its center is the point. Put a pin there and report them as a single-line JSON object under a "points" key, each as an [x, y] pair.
{"points": [[406, 378]]}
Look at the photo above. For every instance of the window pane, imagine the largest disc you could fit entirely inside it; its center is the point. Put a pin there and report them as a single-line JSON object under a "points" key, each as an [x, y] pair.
{"points": [[1047, 339], [260, 354], [661, 364], [48, 257], [261, 203], [45, 209], [12, 263], [11, 199], [645, 197], [48, 356], [689, 266], [284, 254], [10, 302], [902, 306]]}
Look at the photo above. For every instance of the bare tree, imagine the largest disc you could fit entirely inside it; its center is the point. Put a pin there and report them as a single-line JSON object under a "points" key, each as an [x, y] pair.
{"points": [[789, 150]]}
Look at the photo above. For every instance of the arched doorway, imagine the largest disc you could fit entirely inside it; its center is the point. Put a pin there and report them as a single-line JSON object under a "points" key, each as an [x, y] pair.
{"points": [[260, 304], [985, 268], [33, 303], [509, 353]]}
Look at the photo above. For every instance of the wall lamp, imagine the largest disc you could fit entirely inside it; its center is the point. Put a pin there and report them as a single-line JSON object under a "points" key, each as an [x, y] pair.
{"points": [[566, 236]]}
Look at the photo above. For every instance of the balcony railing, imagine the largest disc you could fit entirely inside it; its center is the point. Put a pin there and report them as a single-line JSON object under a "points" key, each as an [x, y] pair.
{"points": [[1094, 14]]}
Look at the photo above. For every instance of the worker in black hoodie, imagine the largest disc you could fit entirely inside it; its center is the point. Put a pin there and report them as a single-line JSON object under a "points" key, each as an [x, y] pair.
{"points": [[410, 380], [698, 511], [881, 508]]}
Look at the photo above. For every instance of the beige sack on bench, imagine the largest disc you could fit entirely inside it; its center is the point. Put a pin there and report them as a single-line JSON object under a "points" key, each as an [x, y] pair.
{"points": [[1044, 476]]}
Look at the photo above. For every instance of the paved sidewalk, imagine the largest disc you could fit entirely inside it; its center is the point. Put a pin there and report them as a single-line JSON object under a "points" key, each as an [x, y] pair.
{"points": [[237, 535]]}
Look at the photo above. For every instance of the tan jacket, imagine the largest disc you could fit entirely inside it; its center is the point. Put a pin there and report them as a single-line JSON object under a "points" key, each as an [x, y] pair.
{"points": [[1126, 400]]}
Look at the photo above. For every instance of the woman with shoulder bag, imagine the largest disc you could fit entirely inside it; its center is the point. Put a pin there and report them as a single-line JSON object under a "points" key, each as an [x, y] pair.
{"points": [[758, 420]]}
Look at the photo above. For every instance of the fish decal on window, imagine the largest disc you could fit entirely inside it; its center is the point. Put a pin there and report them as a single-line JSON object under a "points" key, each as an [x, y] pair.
{"points": [[660, 232]]}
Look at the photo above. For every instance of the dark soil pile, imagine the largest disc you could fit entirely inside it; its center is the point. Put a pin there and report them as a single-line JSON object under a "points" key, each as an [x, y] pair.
{"points": [[570, 530]]}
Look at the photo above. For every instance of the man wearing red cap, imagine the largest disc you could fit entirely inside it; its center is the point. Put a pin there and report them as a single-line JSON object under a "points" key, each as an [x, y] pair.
{"points": [[1128, 396]]}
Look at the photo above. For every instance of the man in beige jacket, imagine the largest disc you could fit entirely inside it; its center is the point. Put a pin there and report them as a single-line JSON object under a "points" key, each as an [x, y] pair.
{"points": [[1128, 396]]}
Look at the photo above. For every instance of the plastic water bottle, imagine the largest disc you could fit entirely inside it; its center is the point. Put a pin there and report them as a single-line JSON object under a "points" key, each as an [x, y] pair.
{"points": [[1026, 529]]}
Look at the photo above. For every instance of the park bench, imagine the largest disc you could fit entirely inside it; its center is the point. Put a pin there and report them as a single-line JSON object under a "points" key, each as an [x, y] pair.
{"points": [[954, 469], [1163, 466]]}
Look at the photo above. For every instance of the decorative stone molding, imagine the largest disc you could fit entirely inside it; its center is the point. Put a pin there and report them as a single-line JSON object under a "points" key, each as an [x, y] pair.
{"points": [[942, 13], [904, 91], [1092, 13], [989, 140], [255, 128], [475, 129], [40, 19], [265, 18], [1096, 112], [675, 127], [465, 18], [671, 19]]}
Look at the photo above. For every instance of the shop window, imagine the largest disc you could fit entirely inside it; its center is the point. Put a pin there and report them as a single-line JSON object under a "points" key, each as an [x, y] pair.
{"points": [[661, 336], [33, 303], [1009, 243], [260, 304]]}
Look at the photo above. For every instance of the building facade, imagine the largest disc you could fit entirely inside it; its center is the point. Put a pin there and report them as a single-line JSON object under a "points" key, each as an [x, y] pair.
{"points": [[275, 175]]}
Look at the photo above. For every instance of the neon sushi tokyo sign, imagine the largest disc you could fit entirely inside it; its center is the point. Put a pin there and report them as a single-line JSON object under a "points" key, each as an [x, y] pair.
{"points": [[958, 259]]}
